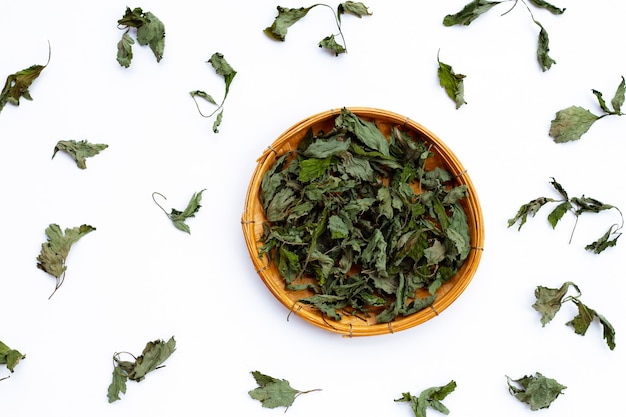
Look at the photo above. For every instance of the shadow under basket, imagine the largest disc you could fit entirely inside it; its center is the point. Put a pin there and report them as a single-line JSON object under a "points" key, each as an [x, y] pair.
{"points": [[350, 325]]}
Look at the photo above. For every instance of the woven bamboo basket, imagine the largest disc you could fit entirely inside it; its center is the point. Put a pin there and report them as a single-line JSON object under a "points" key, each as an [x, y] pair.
{"points": [[253, 219]]}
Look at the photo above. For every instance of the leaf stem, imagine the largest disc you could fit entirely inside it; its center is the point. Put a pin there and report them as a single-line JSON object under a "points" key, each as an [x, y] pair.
{"points": [[155, 202]]}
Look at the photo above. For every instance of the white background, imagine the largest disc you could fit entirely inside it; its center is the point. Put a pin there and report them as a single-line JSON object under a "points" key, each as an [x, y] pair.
{"points": [[137, 278]]}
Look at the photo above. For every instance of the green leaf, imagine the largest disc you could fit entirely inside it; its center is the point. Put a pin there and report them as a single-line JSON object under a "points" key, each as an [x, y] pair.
{"points": [[153, 34], [601, 101], [529, 209], [618, 98], [545, 5], [10, 357], [125, 50], [273, 392], [355, 8], [153, 356], [178, 218], [451, 82], [17, 85], [585, 317], [55, 251], [571, 123], [203, 95], [150, 31], [313, 168], [223, 68], [118, 384], [558, 213], [549, 300], [430, 397], [284, 20], [536, 390], [331, 44], [543, 48], [608, 240], [364, 130], [469, 13], [79, 150]]}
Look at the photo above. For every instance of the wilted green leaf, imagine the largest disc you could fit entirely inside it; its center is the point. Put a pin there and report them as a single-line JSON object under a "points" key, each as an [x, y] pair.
{"points": [[17, 85], [223, 68], [355, 8], [558, 212], [549, 300], [543, 48], [286, 18], [536, 390], [430, 397], [571, 123], [618, 98], [331, 44], [469, 13], [178, 217], [79, 150], [153, 356], [273, 392], [529, 209], [585, 317], [150, 31], [452, 83], [9, 357], [55, 251], [545, 5], [607, 240], [125, 50]]}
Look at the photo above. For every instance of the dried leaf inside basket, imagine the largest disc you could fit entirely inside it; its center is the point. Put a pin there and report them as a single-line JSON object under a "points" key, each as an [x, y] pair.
{"points": [[359, 220]]}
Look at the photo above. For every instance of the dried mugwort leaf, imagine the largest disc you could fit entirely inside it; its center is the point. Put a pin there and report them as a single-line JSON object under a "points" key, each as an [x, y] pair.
{"points": [[470, 12], [79, 150], [223, 68], [429, 398], [535, 390], [576, 206], [178, 217], [153, 356], [273, 392], [550, 300], [451, 82], [476, 8], [150, 31], [573, 122], [54, 253], [356, 218], [9, 357], [17, 85], [287, 17]]}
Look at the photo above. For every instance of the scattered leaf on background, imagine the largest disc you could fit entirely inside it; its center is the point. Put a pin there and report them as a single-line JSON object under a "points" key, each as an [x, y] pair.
{"points": [[152, 357], [55, 251], [576, 206], [17, 85], [223, 68], [545, 61], [572, 122], [273, 392], [549, 301], [430, 397], [79, 150], [9, 357], [451, 82], [177, 217], [470, 12], [474, 9], [536, 390], [150, 31], [287, 17]]}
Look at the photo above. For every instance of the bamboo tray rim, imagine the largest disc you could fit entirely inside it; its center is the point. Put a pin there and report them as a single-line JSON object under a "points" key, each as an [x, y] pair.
{"points": [[252, 220]]}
